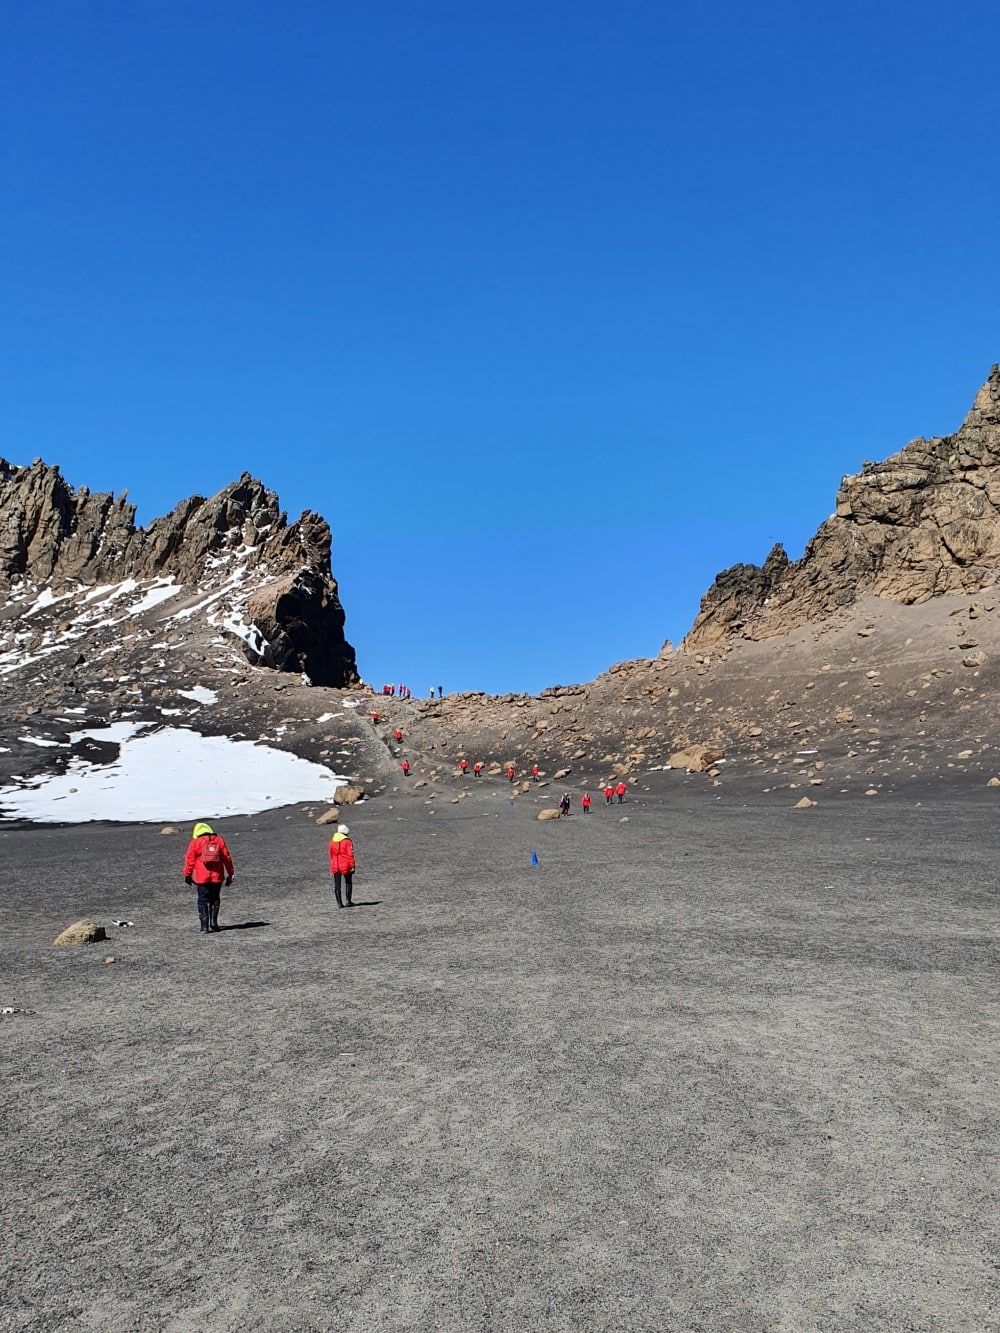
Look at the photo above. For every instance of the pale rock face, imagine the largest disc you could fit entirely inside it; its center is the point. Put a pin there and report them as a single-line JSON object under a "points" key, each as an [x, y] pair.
{"points": [[926, 521]]}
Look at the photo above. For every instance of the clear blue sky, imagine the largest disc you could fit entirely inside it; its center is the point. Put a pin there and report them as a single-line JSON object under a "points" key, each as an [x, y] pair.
{"points": [[552, 310]]}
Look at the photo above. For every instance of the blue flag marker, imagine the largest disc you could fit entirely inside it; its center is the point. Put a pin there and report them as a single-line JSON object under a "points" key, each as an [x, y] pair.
{"points": [[534, 858]]}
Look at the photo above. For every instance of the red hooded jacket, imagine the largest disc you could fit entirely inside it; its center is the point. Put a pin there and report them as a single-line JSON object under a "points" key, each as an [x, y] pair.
{"points": [[193, 865], [341, 855]]}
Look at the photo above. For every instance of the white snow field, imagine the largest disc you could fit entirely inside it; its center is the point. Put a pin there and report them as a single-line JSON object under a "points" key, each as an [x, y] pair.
{"points": [[169, 774]]}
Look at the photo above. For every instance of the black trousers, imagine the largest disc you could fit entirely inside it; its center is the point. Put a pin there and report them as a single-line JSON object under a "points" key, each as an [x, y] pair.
{"points": [[209, 895], [348, 879]]}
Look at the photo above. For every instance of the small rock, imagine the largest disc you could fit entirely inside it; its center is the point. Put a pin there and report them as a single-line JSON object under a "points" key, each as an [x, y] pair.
{"points": [[548, 814], [110, 958], [330, 816], [964, 754], [804, 804], [993, 782], [169, 829], [623, 820]]}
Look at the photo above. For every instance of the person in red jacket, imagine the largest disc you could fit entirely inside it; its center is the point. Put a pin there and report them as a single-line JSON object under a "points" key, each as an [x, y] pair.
{"points": [[609, 792], [620, 791], [477, 768], [585, 802], [534, 771], [342, 864], [463, 765], [405, 766], [510, 774], [397, 735], [207, 866]]}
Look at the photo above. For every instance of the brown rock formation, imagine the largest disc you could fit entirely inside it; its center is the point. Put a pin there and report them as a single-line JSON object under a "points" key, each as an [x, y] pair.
{"points": [[51, 534], [924, 522]]}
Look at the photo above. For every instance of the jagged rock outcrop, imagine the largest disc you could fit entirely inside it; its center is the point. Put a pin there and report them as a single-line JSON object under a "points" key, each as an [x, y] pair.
{"points": [[269, 581], [924, 522]]}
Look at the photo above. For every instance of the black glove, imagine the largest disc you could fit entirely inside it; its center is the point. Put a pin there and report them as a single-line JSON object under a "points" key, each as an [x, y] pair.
{"points": [[229, 880], [188, 879]]}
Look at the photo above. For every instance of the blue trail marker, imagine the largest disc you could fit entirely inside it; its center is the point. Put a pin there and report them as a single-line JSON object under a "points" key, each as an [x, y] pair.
{"points": [[534, 858]]}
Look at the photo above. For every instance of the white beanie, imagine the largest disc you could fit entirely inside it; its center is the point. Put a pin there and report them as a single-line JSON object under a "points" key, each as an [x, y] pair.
{"points": [[342, 828]]}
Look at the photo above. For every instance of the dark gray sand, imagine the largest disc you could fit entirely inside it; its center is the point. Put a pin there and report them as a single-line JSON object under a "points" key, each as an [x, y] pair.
{"points": [[723, 1067]]}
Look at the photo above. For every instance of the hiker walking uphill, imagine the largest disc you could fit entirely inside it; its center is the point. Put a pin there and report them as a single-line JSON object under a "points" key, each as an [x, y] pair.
{"points": [[342, 864], [207, 866]]}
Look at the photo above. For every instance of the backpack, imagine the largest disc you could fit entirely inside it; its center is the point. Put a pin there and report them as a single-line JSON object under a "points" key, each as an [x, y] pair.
{"points": [[210, 853]]}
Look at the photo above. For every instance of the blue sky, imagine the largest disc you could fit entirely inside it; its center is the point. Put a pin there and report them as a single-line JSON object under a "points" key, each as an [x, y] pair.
{"points": [[553, 311]]}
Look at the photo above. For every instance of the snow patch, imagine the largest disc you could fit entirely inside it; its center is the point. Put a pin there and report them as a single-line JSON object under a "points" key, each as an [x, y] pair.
{"points": [[200, 694], [170, 774]]}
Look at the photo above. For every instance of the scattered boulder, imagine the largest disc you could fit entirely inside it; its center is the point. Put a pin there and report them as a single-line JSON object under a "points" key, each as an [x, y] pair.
{"points": [[348, 795], [169, 829], [804, 804], [548, 814], [696, 758], [993, 782], [330, 816], [83, 931]]}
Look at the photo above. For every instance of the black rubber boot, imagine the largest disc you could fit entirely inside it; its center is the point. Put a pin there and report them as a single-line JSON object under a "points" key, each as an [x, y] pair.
{"points": [[336, 894], [203, 918], [213, 919]]}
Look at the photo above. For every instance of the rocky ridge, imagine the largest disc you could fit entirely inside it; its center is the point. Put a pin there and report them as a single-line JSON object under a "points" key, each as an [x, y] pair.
{"points": [[924, 522], [257, 579]]}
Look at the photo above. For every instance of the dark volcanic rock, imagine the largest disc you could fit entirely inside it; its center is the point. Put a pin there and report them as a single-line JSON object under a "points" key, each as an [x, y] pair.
{"points": [[281, 598]]}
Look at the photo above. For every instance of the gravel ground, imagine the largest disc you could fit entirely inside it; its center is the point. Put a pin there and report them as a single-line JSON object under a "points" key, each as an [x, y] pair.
{"points": [[724, 1067]]}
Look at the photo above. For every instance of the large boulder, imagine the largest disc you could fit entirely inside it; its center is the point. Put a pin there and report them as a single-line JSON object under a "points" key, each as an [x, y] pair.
{"points": [[696, 758], [347, 795], [83, 931]]}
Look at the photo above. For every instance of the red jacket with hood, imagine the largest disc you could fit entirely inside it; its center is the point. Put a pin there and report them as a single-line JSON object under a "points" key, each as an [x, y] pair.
{"points": [[341, 855], [193, 865]]}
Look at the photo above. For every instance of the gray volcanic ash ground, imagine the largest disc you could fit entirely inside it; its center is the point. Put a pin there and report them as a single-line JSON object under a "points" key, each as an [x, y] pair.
{"points": [[726, 1065]]}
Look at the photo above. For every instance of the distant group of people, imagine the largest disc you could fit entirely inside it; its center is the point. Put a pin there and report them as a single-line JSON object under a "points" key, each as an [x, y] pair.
{"points": [[586, 801], [392, 691]]}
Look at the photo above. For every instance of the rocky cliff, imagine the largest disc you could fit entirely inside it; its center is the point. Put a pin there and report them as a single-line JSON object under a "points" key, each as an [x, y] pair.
{"points": [[253, 576], [924, 522]]}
